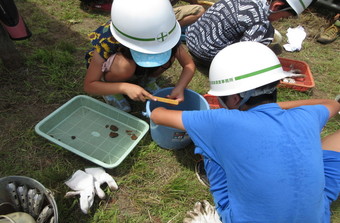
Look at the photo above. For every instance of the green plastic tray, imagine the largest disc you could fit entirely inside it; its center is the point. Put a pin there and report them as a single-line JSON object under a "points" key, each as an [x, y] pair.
{"points": [[82, 126]]}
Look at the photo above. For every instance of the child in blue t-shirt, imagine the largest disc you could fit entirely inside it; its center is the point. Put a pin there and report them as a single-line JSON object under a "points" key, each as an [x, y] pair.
{"points": [[265, 161]]}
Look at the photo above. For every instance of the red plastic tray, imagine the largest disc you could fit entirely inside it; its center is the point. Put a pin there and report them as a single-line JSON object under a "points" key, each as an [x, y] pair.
{"points": [[212, 101], [299, 85]]}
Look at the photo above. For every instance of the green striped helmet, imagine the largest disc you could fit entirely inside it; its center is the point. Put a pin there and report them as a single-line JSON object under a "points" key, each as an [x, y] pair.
{"points": [[146, 26], [243, 66], [299, 5]]}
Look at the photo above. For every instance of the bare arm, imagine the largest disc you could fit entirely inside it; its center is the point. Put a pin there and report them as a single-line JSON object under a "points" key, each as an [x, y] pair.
{"points": [[332, 105], [166, 117], [332, 142], [188, 70], [188, 65], [93, 83]]}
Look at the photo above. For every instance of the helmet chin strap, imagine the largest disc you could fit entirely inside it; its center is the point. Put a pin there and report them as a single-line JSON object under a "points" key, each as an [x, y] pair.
{"points": [[246, 97], [281, 10], [222, 102]]}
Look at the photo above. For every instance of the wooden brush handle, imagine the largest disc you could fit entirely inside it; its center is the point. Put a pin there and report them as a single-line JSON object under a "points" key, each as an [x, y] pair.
{"points": [[166, 100]]}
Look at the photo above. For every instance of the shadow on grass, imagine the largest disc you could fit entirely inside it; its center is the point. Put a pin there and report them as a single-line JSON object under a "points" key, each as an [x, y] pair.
{"points": [[187, 157]]}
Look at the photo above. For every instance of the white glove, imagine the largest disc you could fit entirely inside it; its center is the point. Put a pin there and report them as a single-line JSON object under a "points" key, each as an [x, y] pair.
{"points": [[83, 184], [295, 38], [203, 212], [100, 177]]}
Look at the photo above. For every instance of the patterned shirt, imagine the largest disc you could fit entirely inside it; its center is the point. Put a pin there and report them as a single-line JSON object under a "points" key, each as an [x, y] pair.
{"points": [[103, 42], [106, 45], [227, 22]]}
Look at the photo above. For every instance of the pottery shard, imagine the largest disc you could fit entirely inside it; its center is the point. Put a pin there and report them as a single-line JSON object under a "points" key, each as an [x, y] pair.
{"points": [[113, 128], [134, 137], [113, 134]]}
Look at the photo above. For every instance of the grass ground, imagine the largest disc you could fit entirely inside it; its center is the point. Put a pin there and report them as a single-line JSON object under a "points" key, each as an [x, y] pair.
{"points": [[156, 185]]}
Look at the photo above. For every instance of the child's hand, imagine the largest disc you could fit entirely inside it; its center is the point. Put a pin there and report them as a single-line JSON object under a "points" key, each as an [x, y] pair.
{"points": [[137, 93], [177, 94]]}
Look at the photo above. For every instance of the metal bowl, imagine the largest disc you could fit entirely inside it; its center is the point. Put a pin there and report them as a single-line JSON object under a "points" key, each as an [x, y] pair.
{"points": [[24, 194]]}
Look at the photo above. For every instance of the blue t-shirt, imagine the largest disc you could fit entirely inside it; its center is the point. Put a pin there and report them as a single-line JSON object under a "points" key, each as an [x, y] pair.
{"points": [[271, 159]]}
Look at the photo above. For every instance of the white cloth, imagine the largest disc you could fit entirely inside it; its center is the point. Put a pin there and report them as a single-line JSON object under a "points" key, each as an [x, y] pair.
{"points": [[107, 64], [87, 184], [82, 184], [295, 37], [100, 177], [203, 212]]}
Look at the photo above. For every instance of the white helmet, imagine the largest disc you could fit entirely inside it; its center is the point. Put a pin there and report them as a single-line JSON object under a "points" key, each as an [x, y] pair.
{"points": [[145, 26], [299, 5], [243, 66]]}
